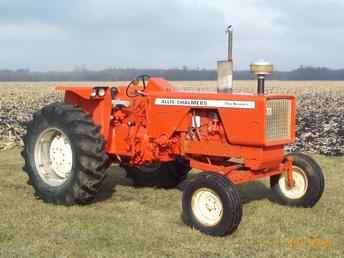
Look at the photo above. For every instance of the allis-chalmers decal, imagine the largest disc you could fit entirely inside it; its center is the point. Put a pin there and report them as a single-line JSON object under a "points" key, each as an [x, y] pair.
{"points": [[206, 103]]}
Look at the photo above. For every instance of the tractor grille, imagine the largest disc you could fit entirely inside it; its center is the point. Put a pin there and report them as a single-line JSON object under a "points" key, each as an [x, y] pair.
{"points": [[278, 119]]}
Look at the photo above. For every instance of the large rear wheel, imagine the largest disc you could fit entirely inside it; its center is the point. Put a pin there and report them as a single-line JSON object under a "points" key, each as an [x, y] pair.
{"points": [[64, 155]]}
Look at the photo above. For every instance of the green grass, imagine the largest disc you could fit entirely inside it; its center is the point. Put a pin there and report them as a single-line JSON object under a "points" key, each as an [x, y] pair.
{"points": [[129, 222]]}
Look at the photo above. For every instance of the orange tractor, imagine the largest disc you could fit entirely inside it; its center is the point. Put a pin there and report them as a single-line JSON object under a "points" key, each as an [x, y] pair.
{"points": [[158, 134]]}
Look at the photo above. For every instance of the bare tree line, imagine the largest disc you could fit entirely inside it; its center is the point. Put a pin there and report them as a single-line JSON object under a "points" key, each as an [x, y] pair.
{"points": [[184, 74]]}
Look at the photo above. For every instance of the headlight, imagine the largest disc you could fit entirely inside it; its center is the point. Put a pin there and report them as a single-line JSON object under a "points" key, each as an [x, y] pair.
{"points": [[101, 92], [98, 92], [94, 93]]}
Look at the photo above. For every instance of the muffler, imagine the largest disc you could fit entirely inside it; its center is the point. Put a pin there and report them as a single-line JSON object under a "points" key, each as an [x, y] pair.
{"points": [[225, 67]]}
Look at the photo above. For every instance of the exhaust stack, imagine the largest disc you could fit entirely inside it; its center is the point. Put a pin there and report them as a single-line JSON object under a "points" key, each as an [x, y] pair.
{"points": [[261, 69], [225, 67]]}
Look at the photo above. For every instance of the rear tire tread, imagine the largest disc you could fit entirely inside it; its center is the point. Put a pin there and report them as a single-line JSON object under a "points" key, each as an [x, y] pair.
{"points": [[168, 175], [88, 179]]}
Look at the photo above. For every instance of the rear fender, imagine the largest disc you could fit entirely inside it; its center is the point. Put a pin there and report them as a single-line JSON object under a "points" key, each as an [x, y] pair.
{"points": [[98, 107]]}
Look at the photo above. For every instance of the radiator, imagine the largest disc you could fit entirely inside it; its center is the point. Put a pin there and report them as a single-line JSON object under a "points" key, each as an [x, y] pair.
{"points": [[278, 119]]}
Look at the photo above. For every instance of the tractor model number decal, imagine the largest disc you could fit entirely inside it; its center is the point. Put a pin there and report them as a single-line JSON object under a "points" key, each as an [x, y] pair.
{"points": [[206, 103]]}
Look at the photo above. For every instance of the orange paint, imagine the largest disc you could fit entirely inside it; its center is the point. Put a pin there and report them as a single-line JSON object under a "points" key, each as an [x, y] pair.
{"points": [[205, 128]]}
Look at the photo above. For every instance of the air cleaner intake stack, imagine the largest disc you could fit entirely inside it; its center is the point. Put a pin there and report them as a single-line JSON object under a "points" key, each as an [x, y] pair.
{"points": [[261, 69], [225, 67]]}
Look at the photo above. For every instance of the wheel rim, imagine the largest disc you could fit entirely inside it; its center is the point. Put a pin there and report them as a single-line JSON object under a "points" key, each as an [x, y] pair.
{"points": [[207, 207], [53, 156], [300, 187]]}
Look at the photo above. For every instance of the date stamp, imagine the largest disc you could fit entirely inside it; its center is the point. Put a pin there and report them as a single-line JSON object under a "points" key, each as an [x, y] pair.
{"points": [[303, 243]]}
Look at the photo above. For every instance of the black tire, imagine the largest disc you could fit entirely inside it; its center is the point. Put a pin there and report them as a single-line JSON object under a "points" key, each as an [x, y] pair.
{"points": [[88, 155], [230, 199], [315, 183], [164, 175]]}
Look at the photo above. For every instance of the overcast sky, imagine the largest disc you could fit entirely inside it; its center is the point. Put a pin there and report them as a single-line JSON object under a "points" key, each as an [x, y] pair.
{"points": [[62, 34]]}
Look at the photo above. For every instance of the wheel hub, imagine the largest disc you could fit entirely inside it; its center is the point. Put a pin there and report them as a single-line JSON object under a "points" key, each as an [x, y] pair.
{"points": [[207, 206], [60, 155], [300, 186], [53, 156]]}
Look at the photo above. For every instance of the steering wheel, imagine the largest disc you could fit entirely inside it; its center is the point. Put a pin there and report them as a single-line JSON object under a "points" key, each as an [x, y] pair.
{"points": [[144, 78]]}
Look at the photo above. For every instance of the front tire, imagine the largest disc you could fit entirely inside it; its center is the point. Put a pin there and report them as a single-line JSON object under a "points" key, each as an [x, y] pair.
{"points": [[309, 183], [211, 204], [64, 155]]}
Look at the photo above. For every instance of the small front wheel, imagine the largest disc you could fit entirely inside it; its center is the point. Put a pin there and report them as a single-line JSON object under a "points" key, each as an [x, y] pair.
{"points": [[212, 205], [308, 183]]}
